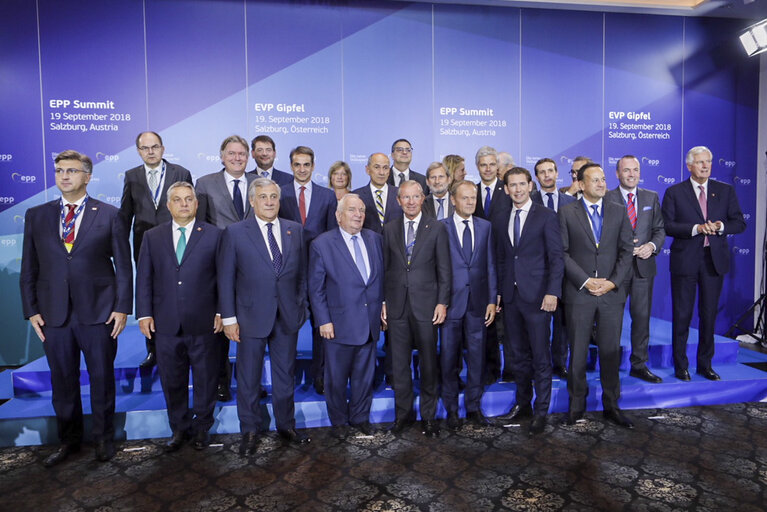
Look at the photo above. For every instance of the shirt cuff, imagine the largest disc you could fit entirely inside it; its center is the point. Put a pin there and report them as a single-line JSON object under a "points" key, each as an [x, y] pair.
{"points": [[584, 283], [143, 318], [229, 321]]}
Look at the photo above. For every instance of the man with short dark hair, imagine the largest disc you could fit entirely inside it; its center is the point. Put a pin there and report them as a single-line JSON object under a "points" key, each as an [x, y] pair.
{"points": [[402, 156], [264, 153], [574, 188]]}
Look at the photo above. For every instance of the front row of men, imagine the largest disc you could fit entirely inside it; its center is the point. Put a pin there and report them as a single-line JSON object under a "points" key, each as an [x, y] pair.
{"points": [[438, 273]]}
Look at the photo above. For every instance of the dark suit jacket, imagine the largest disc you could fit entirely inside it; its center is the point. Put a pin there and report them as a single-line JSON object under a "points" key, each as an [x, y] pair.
{"points": [[537, 264], [137, 205], [414, 176], [430, 210], [321, 216], [474, 283], [279, 177], [649, 226], [247, 285], [178, 296], [564, 199], [215, 205], [681, 211], [96, 278], [583, 259], [393, 209], [500, 204], [337, 291], [426, 281]]}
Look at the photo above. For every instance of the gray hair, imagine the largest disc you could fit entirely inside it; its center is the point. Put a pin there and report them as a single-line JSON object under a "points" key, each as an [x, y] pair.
{"points": [[505, 158], [694, 151], [233, 138], [181, 184], [261, 183], [345, 199], [409, 183], [485, 151]]}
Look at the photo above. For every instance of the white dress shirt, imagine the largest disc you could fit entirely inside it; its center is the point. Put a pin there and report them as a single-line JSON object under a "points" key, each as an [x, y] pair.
{"points": [[78, 219], [160, 176], [523, 212], [415, 222], [243, 188], [460, 226], [350, 245], [696, 189], [307, 193]]}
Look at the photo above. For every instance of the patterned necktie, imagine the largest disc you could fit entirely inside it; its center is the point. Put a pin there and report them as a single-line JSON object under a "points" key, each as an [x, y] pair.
{"points": [[704, 209], [517, 227], [632, 211], [596, 222], [181, 246], [487, 202], [410, 240], [380, 206], [441, 209], [401, 178], [265, 174], [466, 241], [69, 222], [274, 248], [302, 205], [153, 185], [237, 199], [359, 259], [550, 201]]}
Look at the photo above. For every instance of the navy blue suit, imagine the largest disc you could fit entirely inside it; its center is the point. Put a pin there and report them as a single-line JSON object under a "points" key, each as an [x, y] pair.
{"points": [[270, 309], [182, 298], [339, 295], [559, 343], [279, 177], [526, 273], [75, 293], [392, 209], [474, 287], [694, 266]]}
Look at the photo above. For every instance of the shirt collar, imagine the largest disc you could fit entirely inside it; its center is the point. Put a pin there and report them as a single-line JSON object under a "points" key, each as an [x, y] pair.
{"points": [[159, 167], [261, 171], [262, 223], [695, 186], [230, 178], [492, 185], [417, 219], [298, 186], [589, 204], [189, 227], [348, 236], [625, 193], [525, 207], [76, 203]]}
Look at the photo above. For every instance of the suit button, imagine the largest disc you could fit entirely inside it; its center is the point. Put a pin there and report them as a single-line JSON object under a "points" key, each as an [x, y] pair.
{"points": [[69, 258], [516, 257], [408, 270], [179, 283], [366, 305]]}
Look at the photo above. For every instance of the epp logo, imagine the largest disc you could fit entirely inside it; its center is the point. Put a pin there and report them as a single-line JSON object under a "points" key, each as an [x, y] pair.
{"points": [[23, 178], [208, 158], [652, 162], [109, 199], [6, 157], [664, 180], [8, 242], [7, 199], [18, 218], [107, 158], [741, 181], [746, 216], [739, 251], [730, 164], [565, 159], [666, 252]]}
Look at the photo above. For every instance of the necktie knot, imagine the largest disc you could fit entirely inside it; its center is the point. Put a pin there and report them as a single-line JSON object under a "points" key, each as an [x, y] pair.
{"points": [[71, 207], [631, 197]]}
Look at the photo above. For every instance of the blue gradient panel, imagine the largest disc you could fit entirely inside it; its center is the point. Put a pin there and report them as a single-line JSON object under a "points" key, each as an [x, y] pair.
{"points": [[476, 81], [561, 88]]}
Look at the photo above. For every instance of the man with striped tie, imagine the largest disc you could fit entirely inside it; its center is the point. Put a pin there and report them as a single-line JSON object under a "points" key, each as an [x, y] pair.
{"points": [[380, 198], [643, 210]]}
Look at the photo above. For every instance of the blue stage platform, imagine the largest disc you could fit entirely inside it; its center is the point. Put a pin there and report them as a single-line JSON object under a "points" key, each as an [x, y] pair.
{"points": [[28, 417]]}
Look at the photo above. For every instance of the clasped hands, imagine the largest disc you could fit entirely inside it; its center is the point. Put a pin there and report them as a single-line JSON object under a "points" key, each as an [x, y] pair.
{"points": [[710, 228], [598, 286]]}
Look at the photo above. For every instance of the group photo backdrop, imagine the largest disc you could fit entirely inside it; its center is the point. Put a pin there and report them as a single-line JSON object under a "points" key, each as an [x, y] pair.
{"points": [[347, 79]]}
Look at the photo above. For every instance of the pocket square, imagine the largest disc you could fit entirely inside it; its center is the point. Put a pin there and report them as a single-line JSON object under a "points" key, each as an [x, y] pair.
{"points": [[646, 208]]}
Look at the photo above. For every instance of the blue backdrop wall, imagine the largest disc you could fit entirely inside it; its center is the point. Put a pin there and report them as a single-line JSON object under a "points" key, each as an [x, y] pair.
{"points": [[347, 78]]}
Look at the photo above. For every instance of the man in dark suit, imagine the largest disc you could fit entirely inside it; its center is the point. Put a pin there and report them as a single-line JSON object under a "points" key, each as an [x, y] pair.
{"points": [[472, 304], [530, 272], [438, 204], [176, 304], [417, 293], [263, 151], [596, 239], [77, 291], [262, 292], [643, 210], [699, 214], [346, 294], [315, 208], [222, 200], [380, 198], [144, 199], [546, 173], [402, 156]]}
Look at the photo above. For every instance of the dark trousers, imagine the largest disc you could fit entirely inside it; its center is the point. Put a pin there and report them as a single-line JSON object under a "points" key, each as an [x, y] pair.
{"points": [[224, 368], [250, 365], [318, 352], [640, 305], [559, 344], [493, 352], [471, 329], [709, 285], [62, 349], [530, 352], [406, 334], [175, 356], [580, 318], [349, 364]]}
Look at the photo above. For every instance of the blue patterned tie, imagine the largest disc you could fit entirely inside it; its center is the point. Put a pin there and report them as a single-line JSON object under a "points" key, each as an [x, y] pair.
{"points": [[237, 199], [274, 248], [550, 202], [596, 222], [359, 259], [410, 240], [466, 241], [181, 245]]}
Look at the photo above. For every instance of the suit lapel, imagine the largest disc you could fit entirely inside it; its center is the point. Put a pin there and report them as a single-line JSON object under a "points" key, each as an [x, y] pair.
{"points": [[254, 232], [191, 240], [530, 222], [693, 196], [55, 222], [287, 243], [452, 232], [171, 177], [585, 222], [223, 190], [370, 247], [400, 228], [424, 228], [89, 215]]}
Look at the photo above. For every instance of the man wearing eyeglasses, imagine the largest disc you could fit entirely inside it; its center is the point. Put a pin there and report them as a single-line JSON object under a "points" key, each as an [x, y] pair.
{"points": [[402, 155], [144, 200], [77, 291]]}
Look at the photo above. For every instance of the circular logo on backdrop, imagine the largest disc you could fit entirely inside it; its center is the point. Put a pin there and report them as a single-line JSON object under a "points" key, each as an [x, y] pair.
{"points": [[666, 181]]}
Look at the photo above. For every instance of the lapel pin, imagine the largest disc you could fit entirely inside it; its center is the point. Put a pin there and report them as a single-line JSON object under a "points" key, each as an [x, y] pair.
{"points": [[199, 228], [287, 232], [94, 208]]}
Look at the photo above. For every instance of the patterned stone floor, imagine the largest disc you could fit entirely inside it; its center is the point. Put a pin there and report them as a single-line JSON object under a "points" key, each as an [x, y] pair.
{"points": [[702, 458]]}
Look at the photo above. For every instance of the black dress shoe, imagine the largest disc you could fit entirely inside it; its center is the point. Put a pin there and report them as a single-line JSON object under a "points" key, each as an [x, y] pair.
{"points": [[294, 437], [366, 428], [572, 418], [560, 371], [478, 419], [400, 425], [201, 440], [175, 442], [646, 375], [340, 432], [538, 425], [708, 373], [105, 450], [248, 443], [453, 421], [430, 428], [682, 375], [61, 454], [507, 377], [516, 412], [617, 417], [149, 361], [223, 393], [319, 386]]}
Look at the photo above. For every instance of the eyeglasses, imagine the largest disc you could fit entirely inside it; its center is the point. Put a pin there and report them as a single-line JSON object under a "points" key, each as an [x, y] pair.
{"points": [[69, 172], [403, 150], [146, 149]]}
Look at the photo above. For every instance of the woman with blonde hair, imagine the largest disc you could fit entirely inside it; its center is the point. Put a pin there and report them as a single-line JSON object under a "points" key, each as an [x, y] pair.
{"points": [[340, 178], [454, 165]]}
